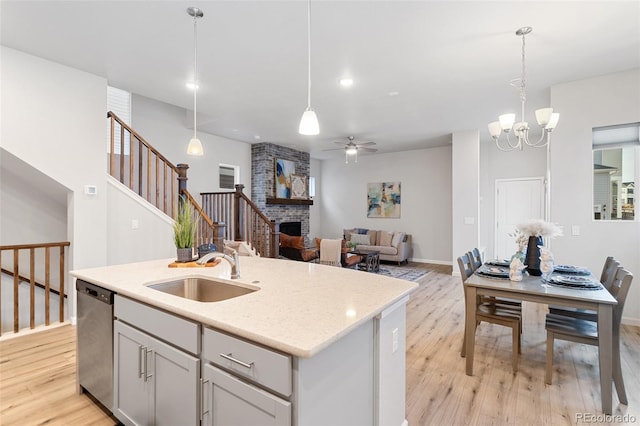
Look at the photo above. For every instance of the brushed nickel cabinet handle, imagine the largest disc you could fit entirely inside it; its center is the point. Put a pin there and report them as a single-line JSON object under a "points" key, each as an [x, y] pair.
{"points": [[237, 361]]}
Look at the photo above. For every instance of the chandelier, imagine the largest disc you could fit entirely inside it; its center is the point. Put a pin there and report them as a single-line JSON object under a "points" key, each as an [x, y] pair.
{"points": [[507, 124]]}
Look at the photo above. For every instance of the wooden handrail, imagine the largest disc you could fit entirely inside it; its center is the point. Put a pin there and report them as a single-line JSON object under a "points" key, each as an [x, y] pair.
{"points": [[245, 220], [150, 174], [209, 232], [111, 114], [19, 277]]}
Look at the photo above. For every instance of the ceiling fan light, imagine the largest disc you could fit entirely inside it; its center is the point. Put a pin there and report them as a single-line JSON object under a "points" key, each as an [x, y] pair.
{"points": [[309, 123], [351, 150], [195, 147], [543, 115], [506, 121]]}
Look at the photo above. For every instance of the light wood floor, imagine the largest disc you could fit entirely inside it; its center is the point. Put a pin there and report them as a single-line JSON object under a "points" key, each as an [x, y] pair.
{"points": [[37, 372]]}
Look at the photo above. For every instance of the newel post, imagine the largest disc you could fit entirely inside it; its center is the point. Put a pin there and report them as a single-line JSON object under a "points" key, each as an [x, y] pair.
{"points": [[275, 238], [238, 216], [182, 177]]}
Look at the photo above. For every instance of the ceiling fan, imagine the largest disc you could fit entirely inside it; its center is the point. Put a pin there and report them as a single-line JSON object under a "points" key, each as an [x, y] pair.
{"points": [[352, 148]]}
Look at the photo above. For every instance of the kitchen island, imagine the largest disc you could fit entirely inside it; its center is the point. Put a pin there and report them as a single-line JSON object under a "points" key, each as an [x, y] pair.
{"points": [[342, 332]]}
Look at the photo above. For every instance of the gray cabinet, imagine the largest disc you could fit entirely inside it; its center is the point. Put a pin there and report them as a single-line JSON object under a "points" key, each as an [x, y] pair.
{"points": [[250, 386], [155, 383], [228, 400]]}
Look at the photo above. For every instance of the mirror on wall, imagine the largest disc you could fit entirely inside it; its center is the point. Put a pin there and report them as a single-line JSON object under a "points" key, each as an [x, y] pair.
{"points": [[615, 171]]}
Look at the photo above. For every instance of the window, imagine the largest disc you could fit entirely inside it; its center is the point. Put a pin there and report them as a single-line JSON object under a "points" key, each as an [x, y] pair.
{"points": [[615, 157], [119, 102], [229, 176]]}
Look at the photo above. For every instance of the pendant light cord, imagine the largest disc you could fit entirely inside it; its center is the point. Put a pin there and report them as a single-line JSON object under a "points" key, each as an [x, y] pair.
{"points": [[195, 73], [308, 54]]}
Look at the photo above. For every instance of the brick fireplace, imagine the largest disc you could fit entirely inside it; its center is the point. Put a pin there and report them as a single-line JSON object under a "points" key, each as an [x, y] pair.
{"points": [[263, 157]]}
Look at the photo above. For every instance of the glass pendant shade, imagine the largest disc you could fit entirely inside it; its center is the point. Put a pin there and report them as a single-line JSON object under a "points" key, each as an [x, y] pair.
{"points": [[506, 121], [553, 121], [195, 147], [495, 129], [543, 115], [309, 123]]}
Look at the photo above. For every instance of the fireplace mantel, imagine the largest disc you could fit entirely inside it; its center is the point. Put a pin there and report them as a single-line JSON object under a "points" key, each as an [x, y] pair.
{"points": [[290, 201]]}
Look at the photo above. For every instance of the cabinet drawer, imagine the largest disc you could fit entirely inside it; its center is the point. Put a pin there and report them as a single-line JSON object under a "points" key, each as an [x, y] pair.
{"points": [[168, 327], [256, 363]]}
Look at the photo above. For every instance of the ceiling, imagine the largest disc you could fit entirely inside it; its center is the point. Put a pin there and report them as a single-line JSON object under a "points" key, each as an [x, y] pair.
{"points": [[421, 69]]}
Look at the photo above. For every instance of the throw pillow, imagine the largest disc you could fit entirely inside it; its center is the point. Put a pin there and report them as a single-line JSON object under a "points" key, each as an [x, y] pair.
{"points": [[362, 230], [360, 239], [347, 233], [398, 237], [291, 241], [385, 238]]}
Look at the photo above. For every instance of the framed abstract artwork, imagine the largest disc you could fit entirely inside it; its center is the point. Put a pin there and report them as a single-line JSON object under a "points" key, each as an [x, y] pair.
{"points": [[383, 200], [283, 171]]}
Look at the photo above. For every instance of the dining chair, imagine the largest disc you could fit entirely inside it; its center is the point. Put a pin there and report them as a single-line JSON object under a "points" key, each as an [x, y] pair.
{"points": [[475, 258], [586, 331], [330, 252], [494, 313], [608, 275], [476, 262]]}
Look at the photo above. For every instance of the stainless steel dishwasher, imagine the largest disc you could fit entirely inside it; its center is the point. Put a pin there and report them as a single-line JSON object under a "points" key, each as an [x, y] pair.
{"points": [[95, 341]]}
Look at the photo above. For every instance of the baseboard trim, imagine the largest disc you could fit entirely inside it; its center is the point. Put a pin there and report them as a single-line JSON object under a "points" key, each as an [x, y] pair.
{"points": [[434, 262]]}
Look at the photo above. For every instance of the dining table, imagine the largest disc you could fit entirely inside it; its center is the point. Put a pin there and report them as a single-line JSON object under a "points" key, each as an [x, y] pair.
{"points": [[534, 289]]}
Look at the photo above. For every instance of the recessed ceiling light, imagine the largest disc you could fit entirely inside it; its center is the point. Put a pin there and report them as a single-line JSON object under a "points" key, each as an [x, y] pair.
{"points": [[393, 93], [191, 85], [346, 82], [257, 137]]}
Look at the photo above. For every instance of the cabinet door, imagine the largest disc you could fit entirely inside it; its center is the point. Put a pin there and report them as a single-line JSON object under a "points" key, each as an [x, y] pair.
{"points": [[176, 378], [229, 401], [131, 402]]}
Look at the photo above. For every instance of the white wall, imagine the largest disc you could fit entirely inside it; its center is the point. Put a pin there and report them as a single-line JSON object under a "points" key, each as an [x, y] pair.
{"points": [[53, 118], [596, 102], [34, 208], [425, 176], [164, 127], [496, 164], [315, 211], [466, 189], [150, 237]]}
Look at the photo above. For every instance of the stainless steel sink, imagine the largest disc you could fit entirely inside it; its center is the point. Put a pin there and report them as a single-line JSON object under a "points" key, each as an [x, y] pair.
{"points": [[202, 289]]}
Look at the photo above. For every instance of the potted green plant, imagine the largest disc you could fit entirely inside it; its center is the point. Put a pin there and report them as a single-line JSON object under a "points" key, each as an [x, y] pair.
{"points": [[184, 230]]}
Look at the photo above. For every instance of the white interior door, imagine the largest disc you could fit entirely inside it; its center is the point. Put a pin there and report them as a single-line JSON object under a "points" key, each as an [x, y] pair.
{"points": [[517, 201]]}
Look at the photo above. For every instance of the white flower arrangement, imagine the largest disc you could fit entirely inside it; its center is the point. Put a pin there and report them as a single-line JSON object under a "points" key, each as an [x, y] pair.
{"points": [[539, 228], [534, 228]]}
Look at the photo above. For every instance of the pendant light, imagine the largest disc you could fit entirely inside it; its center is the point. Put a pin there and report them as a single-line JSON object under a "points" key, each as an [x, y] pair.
{"points": [[195, 146], [309, 122]]}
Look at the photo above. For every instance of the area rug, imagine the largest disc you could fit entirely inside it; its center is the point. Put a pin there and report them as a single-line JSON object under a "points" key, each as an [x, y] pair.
{"points": [[403, 272]]}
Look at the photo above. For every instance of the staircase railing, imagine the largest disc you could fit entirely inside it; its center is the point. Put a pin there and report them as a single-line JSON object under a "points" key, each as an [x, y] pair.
{"points": [[249, 223], [150, 175], [21, 251]]}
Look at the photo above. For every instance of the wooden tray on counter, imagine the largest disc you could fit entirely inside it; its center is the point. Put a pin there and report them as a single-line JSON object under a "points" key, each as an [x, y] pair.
{"points": [[193, 264]]}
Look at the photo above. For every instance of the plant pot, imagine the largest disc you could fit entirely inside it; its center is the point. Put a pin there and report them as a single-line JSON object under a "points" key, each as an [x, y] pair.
{"points": [[533, 256], [185, 254]]}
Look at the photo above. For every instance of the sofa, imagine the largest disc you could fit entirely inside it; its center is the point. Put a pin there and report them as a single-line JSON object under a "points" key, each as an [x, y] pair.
{"points": [[393, 246]]}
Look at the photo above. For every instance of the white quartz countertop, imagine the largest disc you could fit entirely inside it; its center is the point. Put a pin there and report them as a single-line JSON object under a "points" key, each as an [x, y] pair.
{"points": [[300, 308]]}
